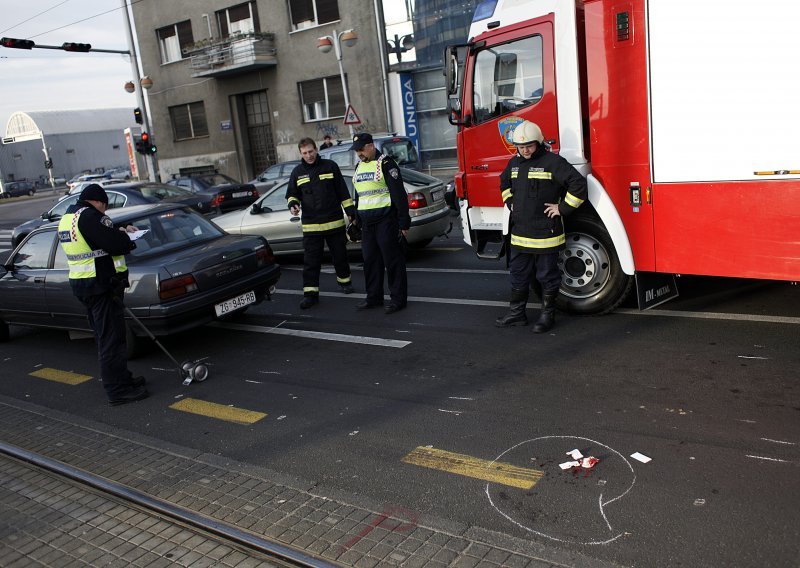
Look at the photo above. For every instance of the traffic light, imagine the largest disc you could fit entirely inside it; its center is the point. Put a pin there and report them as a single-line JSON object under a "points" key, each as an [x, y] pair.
{"points": [[48, 164], [80, 47], [145, 145], [137, 115], [17, 43]]}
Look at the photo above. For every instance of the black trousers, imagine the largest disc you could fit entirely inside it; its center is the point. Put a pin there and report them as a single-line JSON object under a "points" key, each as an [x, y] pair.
{"points": [[522, 267], [383, 249], [313, 248], [107, 319]]}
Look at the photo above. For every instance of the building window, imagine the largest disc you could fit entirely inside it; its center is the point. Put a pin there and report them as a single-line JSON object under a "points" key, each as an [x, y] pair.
{"points": [[188, 121], [308, 13], [172, 39], [239, 19], [322, 98]]}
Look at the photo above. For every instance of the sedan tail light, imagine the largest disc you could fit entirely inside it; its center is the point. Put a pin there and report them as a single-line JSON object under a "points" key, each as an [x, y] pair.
{"points": [[218, 199], [417, 200], [264, 255], [174, 287]]}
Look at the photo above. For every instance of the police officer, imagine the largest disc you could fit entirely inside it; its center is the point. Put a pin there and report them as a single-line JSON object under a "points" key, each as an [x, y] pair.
{"points": [[382, 205], [317, 188], [98, 276], [540, 188]]}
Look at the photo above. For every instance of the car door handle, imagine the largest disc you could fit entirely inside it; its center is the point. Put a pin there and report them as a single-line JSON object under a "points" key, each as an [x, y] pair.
{"points": [[38, 280]]}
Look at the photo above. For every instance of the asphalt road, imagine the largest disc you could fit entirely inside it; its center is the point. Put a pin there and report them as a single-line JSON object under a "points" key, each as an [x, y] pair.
{"points": [[374, 407]]}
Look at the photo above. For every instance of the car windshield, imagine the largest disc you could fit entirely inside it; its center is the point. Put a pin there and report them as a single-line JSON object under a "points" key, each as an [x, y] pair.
{"points": [[160, 191], [171, 230], [217, 179], [402, 151]]}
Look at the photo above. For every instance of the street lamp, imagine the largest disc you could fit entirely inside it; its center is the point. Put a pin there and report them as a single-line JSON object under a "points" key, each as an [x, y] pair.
{"points": [[400, 44], [326, 43]]}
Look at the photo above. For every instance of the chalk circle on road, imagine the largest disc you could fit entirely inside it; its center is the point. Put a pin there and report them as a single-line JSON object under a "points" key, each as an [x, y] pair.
{"points": [[564, 505]]}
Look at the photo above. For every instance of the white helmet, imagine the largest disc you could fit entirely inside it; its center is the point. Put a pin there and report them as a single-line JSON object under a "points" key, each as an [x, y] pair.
{"points": [[527, 132]]}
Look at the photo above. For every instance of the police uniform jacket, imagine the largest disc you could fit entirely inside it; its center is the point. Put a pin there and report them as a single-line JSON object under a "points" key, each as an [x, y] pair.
{"points": [[383, 171], [529, 184], [100, 233], [320, 190]]}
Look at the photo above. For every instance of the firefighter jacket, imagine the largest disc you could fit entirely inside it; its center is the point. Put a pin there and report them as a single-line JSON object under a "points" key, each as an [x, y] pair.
{"points": [[380, 192], [95, 250], [529, 184], [320, 191]]}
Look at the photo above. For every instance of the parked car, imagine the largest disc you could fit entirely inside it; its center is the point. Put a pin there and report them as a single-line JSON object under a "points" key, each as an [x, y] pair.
{"points": [[79, 186], [273, 175], [15, 188], [400, 148], [85, 177], [184, 272], [271, 218], [219, 192], [122, 195], [118, 173]]}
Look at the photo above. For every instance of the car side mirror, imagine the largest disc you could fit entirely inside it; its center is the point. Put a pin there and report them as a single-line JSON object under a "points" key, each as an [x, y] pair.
{"points": [[255, 209]]}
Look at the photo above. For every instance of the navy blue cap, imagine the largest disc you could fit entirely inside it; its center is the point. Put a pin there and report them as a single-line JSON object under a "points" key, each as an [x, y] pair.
{"points": [[361, 140]]}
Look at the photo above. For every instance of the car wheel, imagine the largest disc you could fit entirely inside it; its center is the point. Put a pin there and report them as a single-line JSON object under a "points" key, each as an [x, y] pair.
{"points": [[4, 333], [420, 244], [592, 278], [31, 192], [136, 345]]}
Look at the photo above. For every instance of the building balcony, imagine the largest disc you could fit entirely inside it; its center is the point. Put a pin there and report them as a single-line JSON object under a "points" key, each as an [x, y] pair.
{"points": [[233, 55]]}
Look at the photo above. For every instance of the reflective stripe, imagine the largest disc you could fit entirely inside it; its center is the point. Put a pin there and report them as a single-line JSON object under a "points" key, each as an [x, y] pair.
{"points": [[316, 227], [540, 175], [514, 175], [301, 181], [119, 263], [326, 176], [293, 199], [85, 255], [572, 201], [83, 269], [537, 243], [343, 280], [377, 202], [311, 289], [347, 203], [506, 194]]}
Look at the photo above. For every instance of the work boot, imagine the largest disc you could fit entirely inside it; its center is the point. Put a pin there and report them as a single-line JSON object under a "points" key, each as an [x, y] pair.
{"points": [[308, 301], [547, 317], [516, 314], [136, 393], [347, 288]]}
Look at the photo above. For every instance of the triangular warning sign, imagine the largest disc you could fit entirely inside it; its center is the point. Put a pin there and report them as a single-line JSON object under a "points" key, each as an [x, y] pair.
{"points": [[350, 117]]}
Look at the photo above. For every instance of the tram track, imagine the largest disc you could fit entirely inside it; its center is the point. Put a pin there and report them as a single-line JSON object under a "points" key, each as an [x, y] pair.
{"points": [[253, 546]]}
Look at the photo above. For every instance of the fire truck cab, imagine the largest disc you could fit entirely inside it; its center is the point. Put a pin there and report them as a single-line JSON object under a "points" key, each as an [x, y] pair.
{"points": [[682, 115]]}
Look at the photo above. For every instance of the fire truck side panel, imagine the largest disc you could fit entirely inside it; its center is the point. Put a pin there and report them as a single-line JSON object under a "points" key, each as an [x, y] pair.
{"points": [[725, 128], [618, 121]]}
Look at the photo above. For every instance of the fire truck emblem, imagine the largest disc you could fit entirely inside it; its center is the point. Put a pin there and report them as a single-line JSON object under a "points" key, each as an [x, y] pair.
{"points": [[506, 127]]}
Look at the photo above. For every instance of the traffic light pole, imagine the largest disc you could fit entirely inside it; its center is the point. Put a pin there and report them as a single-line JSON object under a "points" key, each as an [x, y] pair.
{"points": [[152, 162]]}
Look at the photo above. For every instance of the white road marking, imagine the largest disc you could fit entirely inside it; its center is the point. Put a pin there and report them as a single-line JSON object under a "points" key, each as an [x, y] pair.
{"points": [[751, 357], [779, 441], [767, 459], [359, 339], [456, 412]]}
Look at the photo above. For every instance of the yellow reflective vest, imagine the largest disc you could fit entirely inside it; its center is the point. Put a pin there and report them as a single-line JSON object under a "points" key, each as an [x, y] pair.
{"points": [[80, 256]]}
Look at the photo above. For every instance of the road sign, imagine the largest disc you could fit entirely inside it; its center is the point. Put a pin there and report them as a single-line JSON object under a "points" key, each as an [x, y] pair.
{"points": [[350, 117]]}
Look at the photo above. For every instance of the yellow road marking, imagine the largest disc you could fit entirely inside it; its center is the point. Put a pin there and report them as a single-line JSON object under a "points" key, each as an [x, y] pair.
{"points": [[460, 464], [218, 411], [65, 377]]}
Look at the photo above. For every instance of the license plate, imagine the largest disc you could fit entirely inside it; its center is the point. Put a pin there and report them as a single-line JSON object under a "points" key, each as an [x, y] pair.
{"points": [[235, 303], [241, 194], [437, 195]]}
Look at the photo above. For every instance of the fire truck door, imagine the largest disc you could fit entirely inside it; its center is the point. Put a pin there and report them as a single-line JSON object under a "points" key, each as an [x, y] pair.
{"points": [[512, 79]]}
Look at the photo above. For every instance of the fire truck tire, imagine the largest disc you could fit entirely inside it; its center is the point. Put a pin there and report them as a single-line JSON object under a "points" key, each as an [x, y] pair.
{"points": [[593, 282]]}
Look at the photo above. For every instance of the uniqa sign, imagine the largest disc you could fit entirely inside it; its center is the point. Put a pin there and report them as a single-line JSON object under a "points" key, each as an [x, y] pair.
{"points": [[409, 107]]}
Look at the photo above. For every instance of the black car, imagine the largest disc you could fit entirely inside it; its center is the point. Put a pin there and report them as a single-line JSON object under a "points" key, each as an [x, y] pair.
{"points": [[218, 192], [184, 272], [14, 188], [120, 195]]}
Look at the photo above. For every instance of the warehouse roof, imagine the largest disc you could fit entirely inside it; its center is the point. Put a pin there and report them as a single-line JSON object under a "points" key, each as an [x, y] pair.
{"points": [[49, 122]]}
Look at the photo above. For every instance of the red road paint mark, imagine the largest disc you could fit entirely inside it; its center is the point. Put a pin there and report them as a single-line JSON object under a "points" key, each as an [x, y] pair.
{"points": [[403, 521]]}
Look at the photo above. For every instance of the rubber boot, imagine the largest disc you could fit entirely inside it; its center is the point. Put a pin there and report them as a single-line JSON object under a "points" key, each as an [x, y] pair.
{"points": [[516, 314], [547, 317], [308, 301]]}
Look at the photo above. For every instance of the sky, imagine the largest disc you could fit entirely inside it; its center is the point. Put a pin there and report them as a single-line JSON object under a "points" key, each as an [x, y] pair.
{"points": [[44, 79]]}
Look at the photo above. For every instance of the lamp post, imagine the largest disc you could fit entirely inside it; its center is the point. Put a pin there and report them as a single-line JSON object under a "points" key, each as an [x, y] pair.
{"points": [[326, 43], [144, 83], [400, 44]]}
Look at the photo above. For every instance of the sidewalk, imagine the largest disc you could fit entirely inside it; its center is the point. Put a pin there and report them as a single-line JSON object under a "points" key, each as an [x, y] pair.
{"points": [[343, 529]]}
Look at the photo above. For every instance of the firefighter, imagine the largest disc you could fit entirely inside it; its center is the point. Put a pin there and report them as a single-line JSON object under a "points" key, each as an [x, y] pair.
{"points": [[540, 188], [382, 205], [317, 188], [98, 276]]}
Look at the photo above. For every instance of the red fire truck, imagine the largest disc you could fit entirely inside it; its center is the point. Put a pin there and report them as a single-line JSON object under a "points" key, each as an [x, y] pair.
{"points": [[684, 115]]}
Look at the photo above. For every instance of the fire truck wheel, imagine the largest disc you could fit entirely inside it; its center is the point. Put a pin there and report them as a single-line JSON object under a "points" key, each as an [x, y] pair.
{"points": [[593, 282]]}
